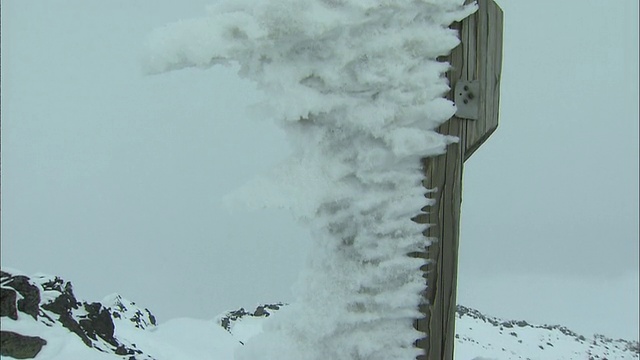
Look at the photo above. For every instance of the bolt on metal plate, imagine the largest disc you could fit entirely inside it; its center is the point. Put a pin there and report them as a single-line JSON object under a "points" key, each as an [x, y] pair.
{"points": [[467, 99]]}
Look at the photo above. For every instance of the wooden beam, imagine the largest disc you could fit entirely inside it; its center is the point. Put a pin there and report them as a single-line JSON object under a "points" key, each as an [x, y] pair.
{"points": [[443, 173], [479, 57]]}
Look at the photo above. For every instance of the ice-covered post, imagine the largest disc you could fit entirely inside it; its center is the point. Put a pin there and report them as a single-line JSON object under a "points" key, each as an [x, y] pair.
{"points": [[360, 87], [475, 82]]}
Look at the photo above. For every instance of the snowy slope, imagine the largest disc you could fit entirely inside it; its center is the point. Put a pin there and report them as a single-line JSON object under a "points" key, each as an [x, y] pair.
{"points": [[492, 338], [480, 337], [135, 335]]}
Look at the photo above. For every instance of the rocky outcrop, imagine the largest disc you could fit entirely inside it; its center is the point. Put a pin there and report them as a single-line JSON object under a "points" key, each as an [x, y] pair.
{"points": [[44, 305], [8, 304], [29, 293], [514, 337], [51, 301], [19, 346], [228, 319], [98, 323], [127, 310], [479, 336]]}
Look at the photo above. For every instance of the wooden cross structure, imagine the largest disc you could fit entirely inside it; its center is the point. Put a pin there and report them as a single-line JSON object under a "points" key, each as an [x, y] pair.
{"points": [[475, 82]]}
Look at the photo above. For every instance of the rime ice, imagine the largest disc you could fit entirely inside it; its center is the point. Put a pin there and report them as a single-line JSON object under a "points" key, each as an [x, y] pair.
{"points": [[357, 87]]}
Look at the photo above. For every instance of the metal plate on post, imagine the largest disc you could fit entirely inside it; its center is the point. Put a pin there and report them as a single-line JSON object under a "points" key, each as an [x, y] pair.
{"points": [[467, 99]]}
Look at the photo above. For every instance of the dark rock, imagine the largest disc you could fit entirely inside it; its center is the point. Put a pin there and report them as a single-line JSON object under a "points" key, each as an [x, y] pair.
{"points": [[232, 316], [30, 302], [70, 323], [8, 303], [119, 305], [141, 318], [138, 320], [260, 311], [56, 284], [63, 303], [19, 346], [152, 318], [263, 310], [46, 319], [122, 350], [98, 322], [93, 324]]}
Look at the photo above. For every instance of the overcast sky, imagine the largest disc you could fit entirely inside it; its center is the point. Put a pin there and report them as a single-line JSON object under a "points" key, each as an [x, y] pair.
{"points": [[115, 180]]}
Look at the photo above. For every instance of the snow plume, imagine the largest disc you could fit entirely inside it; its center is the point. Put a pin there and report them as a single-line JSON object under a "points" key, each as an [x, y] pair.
{"points": [[356, 85]]}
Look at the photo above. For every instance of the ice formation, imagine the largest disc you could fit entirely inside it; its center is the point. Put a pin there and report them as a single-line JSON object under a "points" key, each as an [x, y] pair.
{"points": [[357, 86]]}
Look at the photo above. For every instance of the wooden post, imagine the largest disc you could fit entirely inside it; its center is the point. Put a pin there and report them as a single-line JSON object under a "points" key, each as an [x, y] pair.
{"points": [[477, 58]]}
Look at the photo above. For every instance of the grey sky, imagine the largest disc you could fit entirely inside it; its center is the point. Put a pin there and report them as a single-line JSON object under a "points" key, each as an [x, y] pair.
{"points": [[555, 190], [115, 180]]}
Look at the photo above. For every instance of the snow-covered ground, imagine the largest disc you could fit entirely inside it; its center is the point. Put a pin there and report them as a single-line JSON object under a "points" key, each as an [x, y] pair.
{"points": [[136, 335]]}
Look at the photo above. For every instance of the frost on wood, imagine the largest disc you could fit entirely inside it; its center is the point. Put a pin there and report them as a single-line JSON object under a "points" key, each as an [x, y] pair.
{"points": [[358, 89]]}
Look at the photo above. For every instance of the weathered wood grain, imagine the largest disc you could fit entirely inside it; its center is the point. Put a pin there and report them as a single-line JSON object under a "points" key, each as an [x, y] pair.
{"points": [[479, 57], [481, 48]]}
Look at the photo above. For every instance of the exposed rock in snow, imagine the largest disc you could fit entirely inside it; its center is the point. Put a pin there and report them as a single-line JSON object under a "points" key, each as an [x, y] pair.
{"points": [[482, 337], [20, 346], [8, 304], [228, 319], [495, 338], [65, 328], [50, 301], [29, 293]]}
